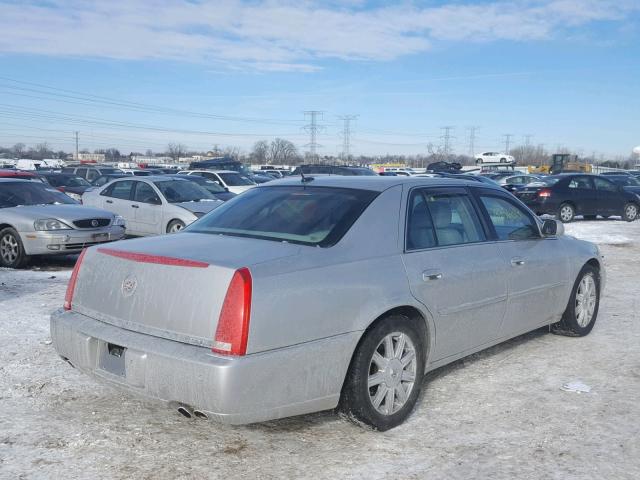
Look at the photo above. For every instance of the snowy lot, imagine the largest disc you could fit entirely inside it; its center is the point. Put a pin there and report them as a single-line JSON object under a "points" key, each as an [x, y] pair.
{"points": [[500, 414]]}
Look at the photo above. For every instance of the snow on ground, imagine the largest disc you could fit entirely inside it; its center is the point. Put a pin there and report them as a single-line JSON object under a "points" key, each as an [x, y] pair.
{"points": [[512, 411]]}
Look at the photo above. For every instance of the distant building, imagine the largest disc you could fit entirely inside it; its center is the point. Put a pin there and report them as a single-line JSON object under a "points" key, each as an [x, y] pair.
{"points": [[151, 160], [91, 157]]}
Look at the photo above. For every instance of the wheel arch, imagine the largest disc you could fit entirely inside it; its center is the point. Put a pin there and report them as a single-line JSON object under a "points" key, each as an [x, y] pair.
{"points": [[173, 219]]}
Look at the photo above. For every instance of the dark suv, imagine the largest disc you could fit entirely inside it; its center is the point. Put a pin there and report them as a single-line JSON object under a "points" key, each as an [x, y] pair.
{"points": [[568, 195], [333, 170]]}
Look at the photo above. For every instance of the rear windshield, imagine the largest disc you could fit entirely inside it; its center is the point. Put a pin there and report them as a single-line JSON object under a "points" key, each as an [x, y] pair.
{"points": [[235, 179], [297, 214], [16, 194], [64, 181]]}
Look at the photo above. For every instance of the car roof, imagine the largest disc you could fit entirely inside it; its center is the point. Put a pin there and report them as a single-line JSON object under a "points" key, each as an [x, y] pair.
{"points": [[19, 180], [212, 171], [377, 183]]}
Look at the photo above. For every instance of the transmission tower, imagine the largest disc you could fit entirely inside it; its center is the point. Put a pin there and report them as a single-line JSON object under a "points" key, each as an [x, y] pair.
{"points": [[313, 128], [507, 142], [472, 140], [527, 140], [346, 135], [447, 137]]}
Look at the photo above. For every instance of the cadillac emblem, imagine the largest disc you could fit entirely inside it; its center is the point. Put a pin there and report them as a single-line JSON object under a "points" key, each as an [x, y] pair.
{"points": [[129, 285]]}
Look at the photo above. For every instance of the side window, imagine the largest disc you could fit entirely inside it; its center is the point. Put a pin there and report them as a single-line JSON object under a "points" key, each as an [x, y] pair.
{"points": [[81, 172], [605, 185], [120, 190], [441, 219], [92, 174], [582, 183], [145, 193], [509, 221]]}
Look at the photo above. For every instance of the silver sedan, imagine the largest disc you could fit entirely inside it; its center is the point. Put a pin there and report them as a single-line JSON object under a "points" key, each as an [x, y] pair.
{"points": [[315, 293], [39, 220]]}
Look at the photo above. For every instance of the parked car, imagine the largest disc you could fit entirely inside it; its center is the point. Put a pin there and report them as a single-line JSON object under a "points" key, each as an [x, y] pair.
{"points": [[494, 157], [153, 205], [20, 175], [104, 179], [39, 220], [138, 172], [90, 172], [516, 183], [567, 195], [229, 179], [67, 183], [629, 182], [344, 170], [278, 303], [471, 178], [214, 188]]}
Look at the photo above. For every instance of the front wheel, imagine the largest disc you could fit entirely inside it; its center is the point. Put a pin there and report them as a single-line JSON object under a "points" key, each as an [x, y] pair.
{"points": [[630, 212], [175, 226], [582, 310], [566, 213], [12, 253], [385, 375]]}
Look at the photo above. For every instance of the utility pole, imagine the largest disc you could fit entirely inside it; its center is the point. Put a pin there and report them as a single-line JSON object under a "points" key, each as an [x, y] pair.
{"points": [[472, 141], [313, 128], [507, 142], [76, 146], [346, 135], [447, 140], [527, 140]]}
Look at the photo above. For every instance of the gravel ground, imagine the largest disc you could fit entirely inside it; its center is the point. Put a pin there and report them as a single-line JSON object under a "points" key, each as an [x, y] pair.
{"points": [[499, 414]]}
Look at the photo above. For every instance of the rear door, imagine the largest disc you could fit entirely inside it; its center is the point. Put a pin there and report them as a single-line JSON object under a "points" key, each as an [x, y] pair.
{"points": [[610, 200], [537, 268], [147, 205], [582, 194], [453, 270]]}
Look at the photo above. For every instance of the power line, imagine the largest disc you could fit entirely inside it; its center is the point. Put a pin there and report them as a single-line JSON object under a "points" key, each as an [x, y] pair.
{"points": [[447, 137], [472, 140], [527, 139], [346, 135], [507, 142], [313, 128]]}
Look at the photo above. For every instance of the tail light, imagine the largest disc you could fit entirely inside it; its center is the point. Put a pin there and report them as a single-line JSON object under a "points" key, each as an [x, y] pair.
{"points": [[232, 332], [72, 281], [61, 189], [544, 193]]}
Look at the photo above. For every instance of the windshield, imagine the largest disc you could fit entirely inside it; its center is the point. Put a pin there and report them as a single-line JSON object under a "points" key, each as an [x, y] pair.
{"points": [[235, 179], [64, 181], [109, 171], [15, 194], [178, 191], [209, 185], [304, 215]]}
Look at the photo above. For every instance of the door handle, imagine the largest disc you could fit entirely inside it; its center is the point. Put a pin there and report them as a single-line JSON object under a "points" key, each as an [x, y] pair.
{"points": [[429, 275], [135, 206], [518, 261], [109, 201]]}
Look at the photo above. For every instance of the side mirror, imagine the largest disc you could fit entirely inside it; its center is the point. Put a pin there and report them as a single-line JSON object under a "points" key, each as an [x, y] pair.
{"points": [[226, 189], [552, 228]]}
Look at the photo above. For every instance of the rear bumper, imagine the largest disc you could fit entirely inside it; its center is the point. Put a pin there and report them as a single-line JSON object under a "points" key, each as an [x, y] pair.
{"points": [[541, 206], [68, 241], [280, 383]]}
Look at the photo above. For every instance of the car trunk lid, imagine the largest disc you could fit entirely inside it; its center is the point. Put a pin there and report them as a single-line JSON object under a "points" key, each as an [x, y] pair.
{"points": [[145, 286]]}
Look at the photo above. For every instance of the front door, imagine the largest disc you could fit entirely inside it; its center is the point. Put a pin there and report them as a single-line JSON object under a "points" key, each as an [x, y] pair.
{"points": [[453, 270], [148, 209], [117, 199]]}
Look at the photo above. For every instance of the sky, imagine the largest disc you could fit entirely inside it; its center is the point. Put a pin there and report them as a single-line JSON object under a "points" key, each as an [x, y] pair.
{"points": [[137, 75]]}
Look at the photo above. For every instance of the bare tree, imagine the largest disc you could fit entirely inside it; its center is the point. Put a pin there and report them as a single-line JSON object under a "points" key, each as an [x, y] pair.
{"points": [[149, 153], [232, 152], [176, 150], [18, 150], [282, 151], [260, 152]]}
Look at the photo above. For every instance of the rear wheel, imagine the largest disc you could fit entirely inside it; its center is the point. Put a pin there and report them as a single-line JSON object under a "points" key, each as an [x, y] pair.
{"points": [[582, 310], [478, 161], [175, 226], [566, 213], [385, 375], [12, 253], [503, 160], [630, 212]]}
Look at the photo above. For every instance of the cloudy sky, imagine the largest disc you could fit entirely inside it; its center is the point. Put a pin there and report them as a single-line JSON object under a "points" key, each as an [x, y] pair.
{"points": [[139, 74]]}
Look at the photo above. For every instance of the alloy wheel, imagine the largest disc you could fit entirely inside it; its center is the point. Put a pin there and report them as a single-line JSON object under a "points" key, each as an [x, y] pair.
{"points": [[566, 213], [392, 373], [586, 299], [9, 248], [631, 212]]}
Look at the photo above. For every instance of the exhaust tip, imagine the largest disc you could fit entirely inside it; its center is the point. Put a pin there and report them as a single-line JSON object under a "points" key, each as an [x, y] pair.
{"points": [[185, 411], [200, 414]]}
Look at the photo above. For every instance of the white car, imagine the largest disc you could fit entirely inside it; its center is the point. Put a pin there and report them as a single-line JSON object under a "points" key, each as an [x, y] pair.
{"points": [[494, 157], [233, 181], [153, 205]]}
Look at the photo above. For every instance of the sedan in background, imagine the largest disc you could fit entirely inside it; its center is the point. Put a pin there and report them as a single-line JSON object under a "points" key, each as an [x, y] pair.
{"points": [[494, 157], [279, 303], [104, 179], [515, 183], [628, 182], [212, 187], [570, 194], [231, 180], [20, 175], [67, 183], [40, 220], [153, 205]]}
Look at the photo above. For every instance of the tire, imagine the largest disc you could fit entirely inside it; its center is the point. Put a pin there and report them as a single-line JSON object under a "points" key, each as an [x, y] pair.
{"points": [[175, 226], [630, 212], [503, 160], [590, 217], [12, 253], [375, 361], [566, 213], [478, 161], [572, 324]]}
